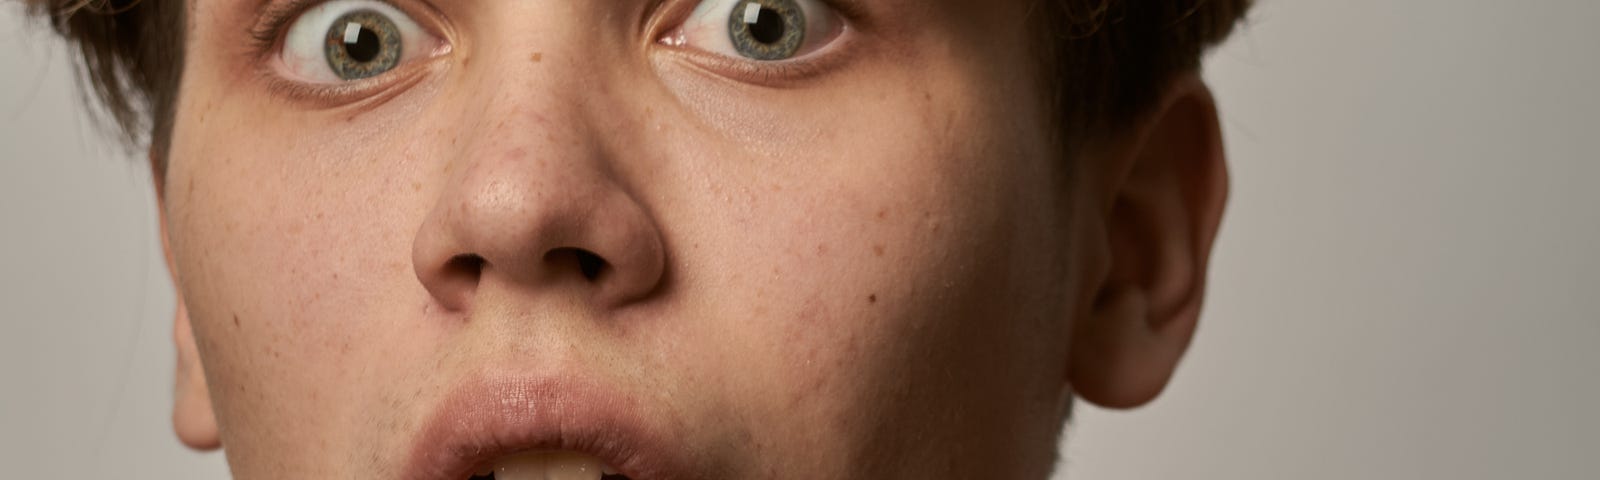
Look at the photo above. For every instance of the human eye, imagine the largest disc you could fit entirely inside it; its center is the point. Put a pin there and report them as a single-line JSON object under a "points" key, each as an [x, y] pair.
{"points": [[758, 30], [342, 41]]}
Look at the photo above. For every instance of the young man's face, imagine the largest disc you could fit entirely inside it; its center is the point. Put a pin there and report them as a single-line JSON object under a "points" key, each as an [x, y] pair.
{"points": [[598, 227]]}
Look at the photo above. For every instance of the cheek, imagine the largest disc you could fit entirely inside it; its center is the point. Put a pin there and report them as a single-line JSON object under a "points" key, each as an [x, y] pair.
{"points": [[876, 265], [292, 249]]}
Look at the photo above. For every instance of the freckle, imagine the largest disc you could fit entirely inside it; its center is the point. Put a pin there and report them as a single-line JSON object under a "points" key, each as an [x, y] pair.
{"points": [[927, 95], [416, 186], [873, 298], [878, 250], [537, 56]]}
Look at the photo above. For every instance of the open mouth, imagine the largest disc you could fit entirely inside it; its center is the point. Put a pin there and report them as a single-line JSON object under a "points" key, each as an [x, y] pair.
{"points": [[547, 465], [544, 427]]}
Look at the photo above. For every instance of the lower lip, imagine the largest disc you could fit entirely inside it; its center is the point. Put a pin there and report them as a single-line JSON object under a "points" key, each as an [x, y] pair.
{"points": [[489, 418]]}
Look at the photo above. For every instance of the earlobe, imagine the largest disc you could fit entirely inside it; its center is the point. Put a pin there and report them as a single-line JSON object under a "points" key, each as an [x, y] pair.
{"points": [[192, 416], [193, 419], [1164, 194]]}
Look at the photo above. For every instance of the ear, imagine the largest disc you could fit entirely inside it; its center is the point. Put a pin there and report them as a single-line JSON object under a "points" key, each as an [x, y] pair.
{"points": [[1161, 197], [192, 417]]}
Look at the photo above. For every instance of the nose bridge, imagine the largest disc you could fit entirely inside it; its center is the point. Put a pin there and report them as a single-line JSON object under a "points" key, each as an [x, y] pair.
{"points": [[540, 61]]}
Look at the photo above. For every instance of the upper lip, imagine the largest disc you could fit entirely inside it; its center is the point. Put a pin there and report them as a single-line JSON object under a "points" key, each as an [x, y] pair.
{"points": [[486, 418]]}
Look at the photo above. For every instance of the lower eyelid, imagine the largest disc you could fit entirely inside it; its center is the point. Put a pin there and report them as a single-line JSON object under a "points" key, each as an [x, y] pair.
{"points": [[776, 74]]}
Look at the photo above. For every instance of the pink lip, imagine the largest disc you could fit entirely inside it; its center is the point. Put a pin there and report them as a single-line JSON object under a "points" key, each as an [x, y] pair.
{"points": [[488, 418]]}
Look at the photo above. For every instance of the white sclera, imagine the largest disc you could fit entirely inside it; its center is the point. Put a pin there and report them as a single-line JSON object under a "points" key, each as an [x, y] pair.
{"points": [[707, 26], [303, 53]]}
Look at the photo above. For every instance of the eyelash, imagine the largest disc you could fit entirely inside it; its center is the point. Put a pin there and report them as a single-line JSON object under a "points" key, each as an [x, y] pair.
{"points": [[776, 74], [267, 37]]}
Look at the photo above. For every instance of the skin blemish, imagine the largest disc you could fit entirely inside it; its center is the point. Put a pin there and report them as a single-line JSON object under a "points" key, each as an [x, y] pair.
{"points": [[537, 57], [877, 250], [235, 320], [873, 298]]}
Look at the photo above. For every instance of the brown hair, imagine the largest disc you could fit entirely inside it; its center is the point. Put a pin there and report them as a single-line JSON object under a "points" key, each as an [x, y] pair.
{"points": [[1106, 59], [132, 56]]}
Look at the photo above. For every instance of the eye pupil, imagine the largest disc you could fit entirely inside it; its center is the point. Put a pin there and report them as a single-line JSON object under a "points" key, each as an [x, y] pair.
{"points": [[768, 27], [365, 47]]}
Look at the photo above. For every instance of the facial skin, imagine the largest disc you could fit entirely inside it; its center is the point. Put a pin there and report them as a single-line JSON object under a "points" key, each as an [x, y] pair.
{"points": [[874, 265]]}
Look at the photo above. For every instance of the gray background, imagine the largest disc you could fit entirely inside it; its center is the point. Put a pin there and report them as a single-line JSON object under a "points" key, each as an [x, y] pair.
{"points": [[1405, 287]]}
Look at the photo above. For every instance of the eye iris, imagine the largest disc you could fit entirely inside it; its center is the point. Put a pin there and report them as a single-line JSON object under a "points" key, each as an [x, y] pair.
{"points": [[767, 29], [362, 44]]}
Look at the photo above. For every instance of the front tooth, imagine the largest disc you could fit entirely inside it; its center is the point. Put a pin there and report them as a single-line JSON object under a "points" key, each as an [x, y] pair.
{"points": [[547, 466], [572, 466]]}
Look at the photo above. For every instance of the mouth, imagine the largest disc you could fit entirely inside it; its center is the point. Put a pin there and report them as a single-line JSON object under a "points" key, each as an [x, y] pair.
{"points": [[556, 428], [547, 466]]}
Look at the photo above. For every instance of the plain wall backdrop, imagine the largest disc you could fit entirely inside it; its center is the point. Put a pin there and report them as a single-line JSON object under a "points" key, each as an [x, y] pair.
{"points": [[1407, 284]]}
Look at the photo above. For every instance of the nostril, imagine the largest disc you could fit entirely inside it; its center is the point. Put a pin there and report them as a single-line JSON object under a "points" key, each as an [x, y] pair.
{"points": [[465, 266], [589, 264]]}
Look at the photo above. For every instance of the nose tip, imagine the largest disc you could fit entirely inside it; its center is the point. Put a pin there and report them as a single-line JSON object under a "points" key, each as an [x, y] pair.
{"points": [[580, 233]]}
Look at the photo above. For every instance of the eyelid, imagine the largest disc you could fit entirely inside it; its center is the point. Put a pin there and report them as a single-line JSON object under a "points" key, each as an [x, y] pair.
{"points": [[273, 23], [274, 17], [777, 74]]}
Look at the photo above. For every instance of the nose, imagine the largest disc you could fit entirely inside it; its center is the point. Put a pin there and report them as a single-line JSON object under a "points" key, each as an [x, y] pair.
{"points": [[534, 208]]}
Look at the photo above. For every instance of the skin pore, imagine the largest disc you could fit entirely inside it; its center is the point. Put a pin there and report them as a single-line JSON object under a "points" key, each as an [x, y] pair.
{"points": [[867, 262]]}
